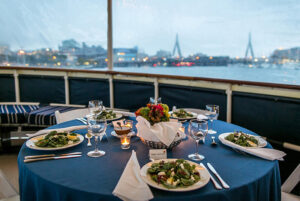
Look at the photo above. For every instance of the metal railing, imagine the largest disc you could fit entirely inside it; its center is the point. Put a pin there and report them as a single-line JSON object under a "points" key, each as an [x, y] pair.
{"points": [[229, 86]]}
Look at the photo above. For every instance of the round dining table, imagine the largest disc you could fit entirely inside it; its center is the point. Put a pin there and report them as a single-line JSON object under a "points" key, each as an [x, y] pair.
{"points": [[93, 179]]}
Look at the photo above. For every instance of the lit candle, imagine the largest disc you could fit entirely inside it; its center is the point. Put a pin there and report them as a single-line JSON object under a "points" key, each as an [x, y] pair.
{"points": [[125, 141]]}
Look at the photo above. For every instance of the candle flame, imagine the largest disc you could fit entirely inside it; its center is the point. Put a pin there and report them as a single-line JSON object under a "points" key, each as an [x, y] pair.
{"points": [[125, 141]]}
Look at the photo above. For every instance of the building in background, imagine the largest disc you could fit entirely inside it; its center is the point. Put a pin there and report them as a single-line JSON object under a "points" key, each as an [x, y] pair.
{"points": [[281, 56], [125, 54]]}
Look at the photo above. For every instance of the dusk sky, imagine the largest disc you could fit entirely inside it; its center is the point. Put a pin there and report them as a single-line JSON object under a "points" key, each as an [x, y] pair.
{"points": [[214, 27]]}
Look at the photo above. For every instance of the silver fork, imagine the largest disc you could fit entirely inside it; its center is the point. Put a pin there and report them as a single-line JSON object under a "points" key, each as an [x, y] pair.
{"points": [[84, 121]]}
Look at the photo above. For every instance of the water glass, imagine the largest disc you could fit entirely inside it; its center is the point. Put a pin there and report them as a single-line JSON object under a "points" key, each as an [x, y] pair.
{"points": [[212, 115], [95, 106], [198, 131], [97, 128]]}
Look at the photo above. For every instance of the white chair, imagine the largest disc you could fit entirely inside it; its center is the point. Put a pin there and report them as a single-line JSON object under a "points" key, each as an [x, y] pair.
{"points": [[289, 184], [6, 190], [70, 115]]}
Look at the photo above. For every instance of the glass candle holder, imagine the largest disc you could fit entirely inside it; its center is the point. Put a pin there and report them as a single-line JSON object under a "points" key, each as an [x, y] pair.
{"points": [[125, 141]]}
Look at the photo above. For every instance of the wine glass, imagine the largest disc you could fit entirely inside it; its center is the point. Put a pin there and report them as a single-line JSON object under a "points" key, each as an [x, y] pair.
{"points": [[212, 115], [198, 131], [95, 106], [98, 128]]}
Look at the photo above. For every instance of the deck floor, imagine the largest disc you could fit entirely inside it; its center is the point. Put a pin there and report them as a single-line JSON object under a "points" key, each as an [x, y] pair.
{"points": [[9, 166]]}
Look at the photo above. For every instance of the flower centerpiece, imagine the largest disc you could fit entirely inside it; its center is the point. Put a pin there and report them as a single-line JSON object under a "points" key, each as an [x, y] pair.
{"points": [[154, 113], [155, 128]]}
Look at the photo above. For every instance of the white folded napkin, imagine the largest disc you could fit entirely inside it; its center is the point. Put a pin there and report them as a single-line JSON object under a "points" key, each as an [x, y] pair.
{"points": [[265, 153], [164, 132], [44, 131], [131, 186]]}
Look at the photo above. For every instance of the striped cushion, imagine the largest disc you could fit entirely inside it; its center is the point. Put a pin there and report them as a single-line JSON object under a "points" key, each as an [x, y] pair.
{"points": [[46, 115], [15, 114]]}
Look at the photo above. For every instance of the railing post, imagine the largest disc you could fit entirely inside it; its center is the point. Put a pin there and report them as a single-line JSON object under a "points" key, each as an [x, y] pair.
{"points": [[67, 91], [109, 36], [156, 89], [17, 86], [111, 91], [229, 103]]}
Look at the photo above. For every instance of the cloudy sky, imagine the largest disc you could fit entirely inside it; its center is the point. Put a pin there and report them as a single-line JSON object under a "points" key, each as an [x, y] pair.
{"points": [[214, 27]]}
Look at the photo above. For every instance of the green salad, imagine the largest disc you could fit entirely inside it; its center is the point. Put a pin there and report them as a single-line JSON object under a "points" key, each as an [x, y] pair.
{"points": [[107, 115], [55, 139], [181, 113], [174, 174], [242, 139]]}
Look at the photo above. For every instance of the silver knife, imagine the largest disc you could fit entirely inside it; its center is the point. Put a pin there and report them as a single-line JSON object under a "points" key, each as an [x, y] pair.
{"points": [[51, 158], [216, 184], [224, 184], [51, 155]]}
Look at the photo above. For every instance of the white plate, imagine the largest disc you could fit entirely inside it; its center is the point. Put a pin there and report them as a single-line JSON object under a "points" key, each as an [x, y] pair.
{"points": [[118, 116], [261, 141], [30, 143], [187, 118], [113, 133], [204, 177]]}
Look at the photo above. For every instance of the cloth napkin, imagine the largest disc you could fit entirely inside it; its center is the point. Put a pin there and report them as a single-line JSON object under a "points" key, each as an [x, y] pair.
{"points": [[164, 132], [44, 131], [265, 153], [131, 186]]}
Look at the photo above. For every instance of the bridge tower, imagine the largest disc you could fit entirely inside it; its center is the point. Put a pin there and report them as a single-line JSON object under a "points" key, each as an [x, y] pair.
{"points": [[249, 48], [176, 46]]}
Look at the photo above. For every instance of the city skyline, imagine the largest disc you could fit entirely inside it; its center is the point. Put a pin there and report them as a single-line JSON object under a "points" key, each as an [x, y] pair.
{"points": [[212, 28]]}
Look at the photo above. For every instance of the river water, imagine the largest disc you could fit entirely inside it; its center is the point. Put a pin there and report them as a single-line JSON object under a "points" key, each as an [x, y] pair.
{"points": [[285, 74]]}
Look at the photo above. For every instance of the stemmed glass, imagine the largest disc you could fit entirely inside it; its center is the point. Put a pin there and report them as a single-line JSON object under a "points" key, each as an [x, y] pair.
{"points": [[98, 128], [212, 115], [95, 106], [198, 131]]}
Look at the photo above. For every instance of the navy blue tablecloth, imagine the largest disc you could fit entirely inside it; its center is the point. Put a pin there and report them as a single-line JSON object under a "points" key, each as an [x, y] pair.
{"points": [[93, 179]]}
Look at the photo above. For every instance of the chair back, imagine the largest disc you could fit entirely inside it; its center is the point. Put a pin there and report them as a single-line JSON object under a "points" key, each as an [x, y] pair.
{"points": [[6, 189], [291, 181], [70, 115]]}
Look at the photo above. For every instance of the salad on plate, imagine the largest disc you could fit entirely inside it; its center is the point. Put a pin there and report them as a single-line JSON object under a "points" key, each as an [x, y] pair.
{"points": [[174, 174]]}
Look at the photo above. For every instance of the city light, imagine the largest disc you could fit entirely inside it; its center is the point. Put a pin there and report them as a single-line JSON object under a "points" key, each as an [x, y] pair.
{"points": [[58, 63], [54, 57], [210, 57], [132, 58]]}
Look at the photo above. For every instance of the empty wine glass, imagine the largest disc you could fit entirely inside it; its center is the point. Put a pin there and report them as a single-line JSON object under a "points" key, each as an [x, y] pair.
{"points": [[98, 128], [198, 131], [212, 115], [95, 106]]}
